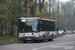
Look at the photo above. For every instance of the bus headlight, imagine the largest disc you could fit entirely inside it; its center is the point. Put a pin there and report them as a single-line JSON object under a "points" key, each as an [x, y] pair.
{"points": [[20, 34], [36, 35]]}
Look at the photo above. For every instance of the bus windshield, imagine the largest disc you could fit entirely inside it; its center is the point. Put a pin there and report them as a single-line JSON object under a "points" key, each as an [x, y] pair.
{"points": [[28, 26]]}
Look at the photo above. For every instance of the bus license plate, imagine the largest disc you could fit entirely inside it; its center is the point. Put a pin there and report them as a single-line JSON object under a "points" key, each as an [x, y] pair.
{"points": [[28, 39]]}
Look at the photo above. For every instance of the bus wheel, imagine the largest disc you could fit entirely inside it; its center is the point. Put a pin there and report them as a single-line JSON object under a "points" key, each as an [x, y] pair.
{"points": [[50, 39], [24, 41], [36, 41]]}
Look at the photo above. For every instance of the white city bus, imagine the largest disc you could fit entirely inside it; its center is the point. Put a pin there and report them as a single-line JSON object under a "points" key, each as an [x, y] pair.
{"points": [[36, 29]]}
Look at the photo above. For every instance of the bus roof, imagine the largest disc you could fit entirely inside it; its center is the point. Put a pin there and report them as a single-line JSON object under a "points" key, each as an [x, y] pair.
{"points": [[29, 18], [36, 18]]}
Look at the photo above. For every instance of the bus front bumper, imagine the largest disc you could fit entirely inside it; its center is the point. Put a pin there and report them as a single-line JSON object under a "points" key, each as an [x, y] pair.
{"points": [[29, 38]]}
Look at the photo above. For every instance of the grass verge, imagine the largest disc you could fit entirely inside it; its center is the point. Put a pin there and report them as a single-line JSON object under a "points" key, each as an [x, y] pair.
{"points": [[9, 42]]}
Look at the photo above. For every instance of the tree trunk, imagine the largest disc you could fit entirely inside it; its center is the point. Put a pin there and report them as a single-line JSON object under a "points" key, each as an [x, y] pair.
{"points": [[1, 29], [41, 3], [25, 6], [32, 9]]}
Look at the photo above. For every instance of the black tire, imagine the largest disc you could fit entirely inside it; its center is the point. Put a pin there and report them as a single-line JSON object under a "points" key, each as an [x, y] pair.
{"points": [[24, 41], [51, 39], [36, 41]]}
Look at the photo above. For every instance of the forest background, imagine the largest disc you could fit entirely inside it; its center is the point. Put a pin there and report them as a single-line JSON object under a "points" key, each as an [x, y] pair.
{"points": [[12, 10]]}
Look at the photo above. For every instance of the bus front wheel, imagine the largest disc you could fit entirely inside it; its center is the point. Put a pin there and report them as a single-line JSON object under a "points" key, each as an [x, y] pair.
{"points": [[24, 41]]}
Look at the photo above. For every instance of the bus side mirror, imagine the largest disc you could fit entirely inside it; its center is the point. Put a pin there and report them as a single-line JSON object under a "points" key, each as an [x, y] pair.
{"points": [[40, 29]]}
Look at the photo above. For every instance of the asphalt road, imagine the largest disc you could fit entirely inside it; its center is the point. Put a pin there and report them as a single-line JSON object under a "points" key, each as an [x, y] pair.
{"points": [[66, 42]]}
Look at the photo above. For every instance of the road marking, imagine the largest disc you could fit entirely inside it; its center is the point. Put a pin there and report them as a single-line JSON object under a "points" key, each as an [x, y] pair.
{"points": [[53, 45]]}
